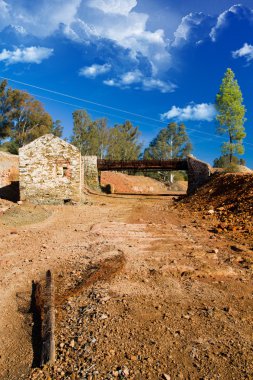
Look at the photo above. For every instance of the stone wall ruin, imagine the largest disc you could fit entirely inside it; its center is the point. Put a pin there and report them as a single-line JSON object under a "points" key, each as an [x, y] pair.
{"points": [[53, 171], [50, 171]]}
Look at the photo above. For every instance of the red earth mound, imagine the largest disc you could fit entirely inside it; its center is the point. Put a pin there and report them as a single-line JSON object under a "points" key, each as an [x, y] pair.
{"points": [[123, 183], [228, 200]]}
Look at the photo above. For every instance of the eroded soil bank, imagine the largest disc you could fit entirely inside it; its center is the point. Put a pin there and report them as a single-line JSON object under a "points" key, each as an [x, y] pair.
{"points": [[172, 299]]}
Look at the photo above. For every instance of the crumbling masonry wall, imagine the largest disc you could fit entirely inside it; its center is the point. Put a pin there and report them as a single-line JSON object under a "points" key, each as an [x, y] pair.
{"points": [[50, 171], [198, 174], [90, 172]]}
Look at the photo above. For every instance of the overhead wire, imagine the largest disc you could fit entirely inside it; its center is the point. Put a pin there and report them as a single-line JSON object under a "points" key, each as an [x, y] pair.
{"points": [[108, 107]]}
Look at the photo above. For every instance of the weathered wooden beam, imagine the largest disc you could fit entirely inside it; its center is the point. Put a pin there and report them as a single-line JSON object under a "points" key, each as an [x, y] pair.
{"points": [[48, 323], [147, 165]]}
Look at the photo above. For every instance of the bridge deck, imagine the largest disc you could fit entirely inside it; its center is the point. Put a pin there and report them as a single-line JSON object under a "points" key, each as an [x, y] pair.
{"points": [[143, 165]]}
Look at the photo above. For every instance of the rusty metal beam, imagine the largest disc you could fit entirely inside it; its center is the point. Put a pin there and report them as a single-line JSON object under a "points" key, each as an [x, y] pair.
{"points": [[142, 165]]}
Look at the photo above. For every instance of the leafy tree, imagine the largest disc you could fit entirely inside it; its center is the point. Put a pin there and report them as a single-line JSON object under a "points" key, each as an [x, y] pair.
{"points": [[23, 118], [5, 108], [29, 119], [231, 112], [124, 142], [103, 135], [171, 142], [82, 123], [224, 161], [91, 137], [57, 128]]}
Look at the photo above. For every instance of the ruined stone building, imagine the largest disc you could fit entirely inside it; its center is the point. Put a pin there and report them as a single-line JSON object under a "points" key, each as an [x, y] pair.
{"points": [[51, 171]]}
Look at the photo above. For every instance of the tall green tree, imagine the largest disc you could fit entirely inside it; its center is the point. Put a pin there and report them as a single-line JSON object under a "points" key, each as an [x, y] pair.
{"points": [[93, 137], [90, 136], [103, 137], [23, 118], [5, 109], [171, 142], [231, 115], [124, 142]]}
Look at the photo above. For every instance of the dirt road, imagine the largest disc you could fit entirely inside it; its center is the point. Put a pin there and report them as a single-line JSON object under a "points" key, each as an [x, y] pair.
{"points": [[171, 300]]}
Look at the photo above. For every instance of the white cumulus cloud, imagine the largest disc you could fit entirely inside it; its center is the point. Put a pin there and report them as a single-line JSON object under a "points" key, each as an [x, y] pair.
{"points": [[240, 11], [121, 7], [31, 54], [131, 77], [141, 82], [245, 51], [100, 22], [94, 70], [128, 28], [193, 112], [193, 27], [39, 18]]}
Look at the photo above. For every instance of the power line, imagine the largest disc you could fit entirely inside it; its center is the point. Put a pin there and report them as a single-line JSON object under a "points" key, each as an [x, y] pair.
{"points": [[108, 107], [121, 117], [89, 109], [80, 99]]}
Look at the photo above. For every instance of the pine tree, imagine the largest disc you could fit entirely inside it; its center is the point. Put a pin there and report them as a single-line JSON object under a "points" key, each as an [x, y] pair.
{"points": [[231, 112]]}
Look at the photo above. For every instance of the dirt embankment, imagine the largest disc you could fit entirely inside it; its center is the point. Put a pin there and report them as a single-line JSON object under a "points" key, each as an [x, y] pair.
{"points": [[227, 202], [129, 184]]}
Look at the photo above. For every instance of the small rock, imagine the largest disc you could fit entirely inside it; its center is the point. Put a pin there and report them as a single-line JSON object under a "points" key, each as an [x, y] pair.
{"points": [[72, 343], [214, 250], [103, 316], [105, 299], [210, 212], [166, 376], [19, 202], [125, 371]]}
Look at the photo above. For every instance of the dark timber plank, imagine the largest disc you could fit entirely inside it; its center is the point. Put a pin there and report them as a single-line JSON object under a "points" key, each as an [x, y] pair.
{"points": [[48, 323]]}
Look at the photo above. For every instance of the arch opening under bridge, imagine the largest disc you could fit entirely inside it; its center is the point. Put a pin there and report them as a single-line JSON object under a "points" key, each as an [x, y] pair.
{"points": [[198, 171]]}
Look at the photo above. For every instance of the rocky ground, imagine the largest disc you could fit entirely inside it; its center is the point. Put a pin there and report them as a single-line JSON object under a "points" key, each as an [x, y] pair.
{"points": [[146, 288], [227, 202]]}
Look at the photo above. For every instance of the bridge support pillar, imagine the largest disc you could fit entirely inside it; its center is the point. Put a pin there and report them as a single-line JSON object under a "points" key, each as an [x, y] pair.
{"points": [[198, 174], [90, 172]]}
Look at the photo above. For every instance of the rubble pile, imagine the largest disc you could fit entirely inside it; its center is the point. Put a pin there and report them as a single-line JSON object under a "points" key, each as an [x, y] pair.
{"points": [[228, 199]]}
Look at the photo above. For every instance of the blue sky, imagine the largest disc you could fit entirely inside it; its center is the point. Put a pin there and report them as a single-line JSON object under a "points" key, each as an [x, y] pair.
{"points": [[157, 60]]}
